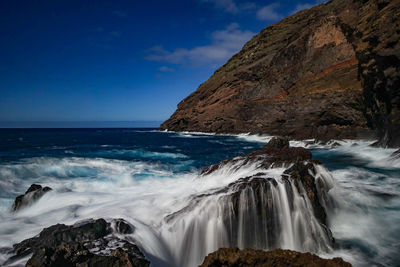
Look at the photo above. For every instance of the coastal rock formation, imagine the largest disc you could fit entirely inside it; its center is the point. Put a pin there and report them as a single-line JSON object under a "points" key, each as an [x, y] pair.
{"points": [[89, 243], [280, 201], [277, 153], [34, 193], [327, 72], [229, 257]]}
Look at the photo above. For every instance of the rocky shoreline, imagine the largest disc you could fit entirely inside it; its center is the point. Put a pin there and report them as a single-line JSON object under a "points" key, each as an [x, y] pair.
{"points": [[328, 72], [100, 242]]}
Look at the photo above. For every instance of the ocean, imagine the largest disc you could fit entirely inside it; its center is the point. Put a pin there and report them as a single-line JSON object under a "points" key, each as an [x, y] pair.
{"points": [[144, 175]]}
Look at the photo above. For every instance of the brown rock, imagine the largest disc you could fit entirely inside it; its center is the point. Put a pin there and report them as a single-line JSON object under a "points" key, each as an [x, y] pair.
{"points": [[258, 258], [327, 72]]}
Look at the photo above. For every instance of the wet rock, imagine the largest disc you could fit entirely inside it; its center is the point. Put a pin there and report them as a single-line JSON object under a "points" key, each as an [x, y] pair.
{"points": [[276, 152], [122, 227], [396, 154], [229, 257], [278, 142], [34, 193], [257, 211], [88, 243], [302, 176]]}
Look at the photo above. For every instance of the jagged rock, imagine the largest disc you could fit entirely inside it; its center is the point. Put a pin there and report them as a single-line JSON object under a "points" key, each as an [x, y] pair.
{"points": [[396, 154], [122, 227], [276, 152], [278, 142], [34, 193], [88, 243], [300, 174], [229, 257], [327, 72], [258, 211]]}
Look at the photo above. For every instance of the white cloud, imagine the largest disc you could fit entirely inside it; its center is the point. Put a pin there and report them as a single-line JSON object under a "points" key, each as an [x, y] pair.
{"points": [[269, 12], [224, 43], [300, 7], [227, 5], [166, 69]]}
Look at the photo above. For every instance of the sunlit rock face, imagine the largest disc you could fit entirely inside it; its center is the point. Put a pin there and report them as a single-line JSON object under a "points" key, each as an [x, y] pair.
{"points": [[331, 71]]}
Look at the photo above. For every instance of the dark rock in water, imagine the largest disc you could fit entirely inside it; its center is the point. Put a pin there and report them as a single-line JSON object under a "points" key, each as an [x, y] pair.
{"points": [[276, 152], [265, 210], [396, 154], [327, 72], [230, 257], [278, 142], [122, 227], [34, 193], [89, 243], [300, 174]]}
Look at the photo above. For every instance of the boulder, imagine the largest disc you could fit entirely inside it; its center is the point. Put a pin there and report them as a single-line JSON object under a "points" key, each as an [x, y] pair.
{"points": [[230, 257], [88, 243], [276, 152], [34, 193]]}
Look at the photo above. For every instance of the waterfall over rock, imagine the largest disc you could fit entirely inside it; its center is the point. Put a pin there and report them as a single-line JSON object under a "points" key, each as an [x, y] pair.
{"points": [[281, 205]]}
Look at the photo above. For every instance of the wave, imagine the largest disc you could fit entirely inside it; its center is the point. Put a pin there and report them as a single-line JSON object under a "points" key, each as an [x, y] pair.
{"points": [[157, 207], [140, 153]]}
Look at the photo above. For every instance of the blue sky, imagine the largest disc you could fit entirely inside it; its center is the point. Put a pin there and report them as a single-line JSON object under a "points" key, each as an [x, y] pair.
{"points": [[118, 60]]}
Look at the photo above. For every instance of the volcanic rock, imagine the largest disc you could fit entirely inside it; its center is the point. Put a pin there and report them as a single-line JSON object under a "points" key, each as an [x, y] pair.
{"points": [[327, 72], [229, 257], [257, 210], [89, 243], [276, 152], [34, 193]]}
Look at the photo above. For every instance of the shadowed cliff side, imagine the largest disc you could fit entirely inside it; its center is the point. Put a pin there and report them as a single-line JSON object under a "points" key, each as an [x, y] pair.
{"points": [[327, 72]]}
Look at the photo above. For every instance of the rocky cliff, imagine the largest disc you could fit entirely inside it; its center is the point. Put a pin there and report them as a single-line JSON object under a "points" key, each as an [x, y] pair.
{"points": [[327, 72]]}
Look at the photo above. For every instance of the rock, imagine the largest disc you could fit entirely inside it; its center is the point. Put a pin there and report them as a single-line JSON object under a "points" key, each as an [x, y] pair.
{"points": [[278, 142], [276, 152], [328, 72], [34, 193], [256, 211], [121, 226], [300, 174], [396, 154], [89, 243], [258, 258]]}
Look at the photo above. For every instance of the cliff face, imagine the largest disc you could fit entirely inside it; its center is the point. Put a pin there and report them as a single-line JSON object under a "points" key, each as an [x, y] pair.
{"points": [[326, 72]]}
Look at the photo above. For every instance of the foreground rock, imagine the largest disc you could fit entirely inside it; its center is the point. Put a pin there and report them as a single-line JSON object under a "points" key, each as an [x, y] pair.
{"points": [[327, 72], [229, 257], [281, 199], [34, 193], [90, 243], [300, 170]]}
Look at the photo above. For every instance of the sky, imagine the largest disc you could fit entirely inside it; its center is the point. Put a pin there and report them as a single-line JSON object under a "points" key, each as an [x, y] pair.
{"points": [[78, 60]]}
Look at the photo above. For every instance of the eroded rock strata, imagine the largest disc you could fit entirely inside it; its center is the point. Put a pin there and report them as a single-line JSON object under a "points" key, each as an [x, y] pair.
{"points": [[331, 71], [229, 257]]}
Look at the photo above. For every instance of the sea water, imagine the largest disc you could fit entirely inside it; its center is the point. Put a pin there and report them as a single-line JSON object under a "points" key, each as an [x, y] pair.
{"points": [[144, 176]]}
